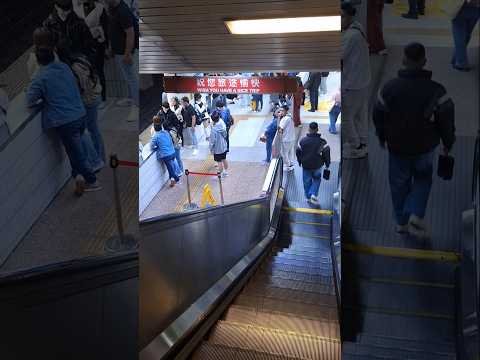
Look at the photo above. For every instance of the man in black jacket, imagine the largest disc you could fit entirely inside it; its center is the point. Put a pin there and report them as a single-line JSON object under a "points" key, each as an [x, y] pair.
{"points": [[412, 114], [312, 84], [168, 118], [312, 154]]}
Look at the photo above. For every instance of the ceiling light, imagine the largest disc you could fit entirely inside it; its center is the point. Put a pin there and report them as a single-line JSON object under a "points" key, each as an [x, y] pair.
{"points": [[284, 25]]}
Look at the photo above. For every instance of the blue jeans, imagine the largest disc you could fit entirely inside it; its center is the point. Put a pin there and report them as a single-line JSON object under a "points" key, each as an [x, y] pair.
{"points": [[171, 165], [311, 181], [179, 161], [462, 28], [130, 74], [268, 145], [92, 126], [191, 131], [333, 114], [410, 184], [71, 136]]}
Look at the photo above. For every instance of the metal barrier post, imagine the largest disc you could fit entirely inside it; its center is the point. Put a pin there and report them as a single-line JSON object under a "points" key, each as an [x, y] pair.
{"points": [[122, 241], [221, 188], [190, 205]]}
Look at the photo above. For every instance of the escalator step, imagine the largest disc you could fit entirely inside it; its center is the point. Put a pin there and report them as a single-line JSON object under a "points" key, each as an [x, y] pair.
{"points": [[397, 353], [305, 277], [266, 280], [305, 227], [309, 264], [208, 351], [267, 291], [326, 270], [304, 217], [288, 307], [321, 258], [271, 320], [276, 341], [286, 240], [306, 252]]}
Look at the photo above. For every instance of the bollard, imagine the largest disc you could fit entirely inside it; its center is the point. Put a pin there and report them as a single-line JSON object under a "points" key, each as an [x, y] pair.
{"points": [[219, 174], [190, 205], [122, 241]]}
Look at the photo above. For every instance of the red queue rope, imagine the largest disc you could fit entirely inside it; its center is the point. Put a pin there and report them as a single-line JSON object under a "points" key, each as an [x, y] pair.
{"points": [[199, 173], [127, 163], [115, 162]]}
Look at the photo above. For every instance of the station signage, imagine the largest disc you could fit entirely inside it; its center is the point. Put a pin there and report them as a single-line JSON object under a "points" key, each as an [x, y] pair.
{"points": [[230, 85]]}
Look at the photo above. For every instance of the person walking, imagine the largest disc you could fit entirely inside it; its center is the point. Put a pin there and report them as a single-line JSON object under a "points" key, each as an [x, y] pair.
{"points": [[190, 119], [462, 27], [162, 143], [355, 84], [375, 27], [312, 85], [287, 131], [415, 8], [334, 112], [218, 144], [63, 111], [201, 112], [123, 35], [412, 115], [297, 102], [269, 134], [312, 155]]}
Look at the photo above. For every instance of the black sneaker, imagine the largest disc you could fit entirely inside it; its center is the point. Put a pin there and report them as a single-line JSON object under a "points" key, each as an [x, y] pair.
{"points": [[410, 16], [421, 12]]}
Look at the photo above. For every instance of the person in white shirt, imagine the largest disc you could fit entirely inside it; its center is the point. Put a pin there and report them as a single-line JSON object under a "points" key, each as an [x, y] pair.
{"points": [[355, 82], [286, 129]]}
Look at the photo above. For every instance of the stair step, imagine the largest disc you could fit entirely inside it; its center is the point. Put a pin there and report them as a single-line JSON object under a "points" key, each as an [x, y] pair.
{"points": [[208, 351], [274, 266], [305, 227], [297, 216], [408, 327], [400, 297], [305, 277], [265, 290], [276, 341], [407, 344], [268, 280], [271, 320], [307, 258], [288, 307], [309, 264], [312, 252], [368, 350]]}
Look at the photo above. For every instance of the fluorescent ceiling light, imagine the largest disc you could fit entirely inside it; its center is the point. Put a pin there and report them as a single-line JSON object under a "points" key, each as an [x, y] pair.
{"points": [[284, 25]]}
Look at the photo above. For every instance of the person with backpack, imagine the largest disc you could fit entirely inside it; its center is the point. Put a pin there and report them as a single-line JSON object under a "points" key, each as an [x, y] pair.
{"points": [[63, 111], [218, 144], [312, 154], [356, 78], [201, 111], [190, 119], [162, 143], [227, 118], [287, 131], [412, 115]]}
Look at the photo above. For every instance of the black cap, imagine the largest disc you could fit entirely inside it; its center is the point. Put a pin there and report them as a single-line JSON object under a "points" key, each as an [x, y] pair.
{"points": [[414, 52], [313, 126]]}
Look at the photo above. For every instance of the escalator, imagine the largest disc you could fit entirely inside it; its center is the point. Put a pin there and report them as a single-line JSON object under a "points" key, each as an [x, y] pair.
{"points": [[282, 306]]}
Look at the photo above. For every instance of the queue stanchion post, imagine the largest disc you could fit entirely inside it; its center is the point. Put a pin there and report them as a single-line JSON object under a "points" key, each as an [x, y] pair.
{"points": [[190, 205], [219, 175], [122, 241]]}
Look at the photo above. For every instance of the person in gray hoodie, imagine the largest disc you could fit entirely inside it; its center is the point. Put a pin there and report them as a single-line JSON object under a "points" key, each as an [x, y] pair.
{"points": [[218, 143]]}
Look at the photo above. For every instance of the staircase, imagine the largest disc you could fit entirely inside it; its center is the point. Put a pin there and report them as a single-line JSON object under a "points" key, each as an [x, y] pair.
{"points": [[288, 310], [397, 308]]}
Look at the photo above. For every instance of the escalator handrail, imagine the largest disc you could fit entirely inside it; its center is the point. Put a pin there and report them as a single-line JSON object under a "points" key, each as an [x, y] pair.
{"points": [[67, 267], [242, 204], [476, 165]]}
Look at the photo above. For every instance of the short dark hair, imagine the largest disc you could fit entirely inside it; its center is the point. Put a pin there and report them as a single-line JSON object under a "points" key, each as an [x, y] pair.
{"points": [[185, 99], [197, 96], [158, 127], [215, 116], [220, 104], [348, 8], [42, 37], [313, 126], [414, 52], [166, 105], [285, 107], [44, 56]]}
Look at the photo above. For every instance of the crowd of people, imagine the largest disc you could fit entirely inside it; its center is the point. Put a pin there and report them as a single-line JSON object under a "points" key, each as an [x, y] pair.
{"points": [[68, 78]]}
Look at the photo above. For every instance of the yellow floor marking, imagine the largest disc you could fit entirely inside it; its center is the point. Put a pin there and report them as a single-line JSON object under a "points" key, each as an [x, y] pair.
{"points": [[409, 253], [309, 211]]}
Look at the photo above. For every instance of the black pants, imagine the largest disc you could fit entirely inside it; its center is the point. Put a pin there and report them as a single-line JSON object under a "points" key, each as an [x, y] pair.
{"points": [[314, 98], [228, 138], [100, 66], [416, 6]]}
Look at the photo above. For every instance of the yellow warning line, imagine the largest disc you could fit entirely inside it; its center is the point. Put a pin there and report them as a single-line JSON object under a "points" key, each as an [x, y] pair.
{"points": [[309, 211], [419, 254]]}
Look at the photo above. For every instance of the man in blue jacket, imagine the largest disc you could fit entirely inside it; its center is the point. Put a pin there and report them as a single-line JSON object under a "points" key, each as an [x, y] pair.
{"points": [[163, 144], [63, 110], [269, 135]]}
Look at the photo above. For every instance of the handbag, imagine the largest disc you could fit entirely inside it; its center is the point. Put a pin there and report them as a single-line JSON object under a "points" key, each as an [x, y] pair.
{"points": [[445, 167], [452, 7]]}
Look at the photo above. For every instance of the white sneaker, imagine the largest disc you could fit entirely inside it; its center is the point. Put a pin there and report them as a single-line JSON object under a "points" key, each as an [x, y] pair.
{"points": [[314, 200], [224, 174], [417, 227], [134, 113], [383, 52], [93, 187], [195, 152], [124, 102], [290, 168]]}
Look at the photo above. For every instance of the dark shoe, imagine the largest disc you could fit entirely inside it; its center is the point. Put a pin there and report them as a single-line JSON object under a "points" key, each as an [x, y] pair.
{"points": [[421, 12], [92, 187], [79, 185], [312, 110], [410, 16], [462, 68]]}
